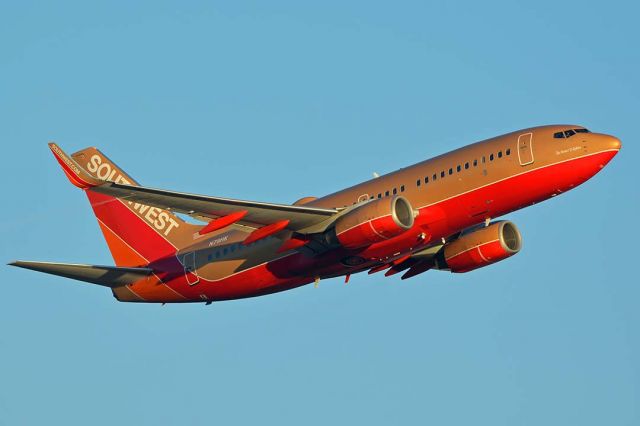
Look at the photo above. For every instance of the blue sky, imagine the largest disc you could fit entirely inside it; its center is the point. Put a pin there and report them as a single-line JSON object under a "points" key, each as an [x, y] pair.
{"points": [[273, 101]]}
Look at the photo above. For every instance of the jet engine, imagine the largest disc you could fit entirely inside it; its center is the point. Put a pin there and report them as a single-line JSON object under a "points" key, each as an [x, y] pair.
{"points": [[375, 221], [480, 247]]}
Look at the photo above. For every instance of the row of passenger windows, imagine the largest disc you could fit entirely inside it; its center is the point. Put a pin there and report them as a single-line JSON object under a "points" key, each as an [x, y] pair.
{"points": [[466, 166], [224, 251], [231, 248], [394, 191], [569, 133], [443, 173]]}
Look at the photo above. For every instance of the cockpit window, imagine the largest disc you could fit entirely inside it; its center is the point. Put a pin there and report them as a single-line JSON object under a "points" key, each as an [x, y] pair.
{"points": [[569, 133]]}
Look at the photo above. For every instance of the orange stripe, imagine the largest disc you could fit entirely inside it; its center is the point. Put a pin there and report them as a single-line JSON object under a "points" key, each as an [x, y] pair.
{"points": [[122, 254], [151, 288]]}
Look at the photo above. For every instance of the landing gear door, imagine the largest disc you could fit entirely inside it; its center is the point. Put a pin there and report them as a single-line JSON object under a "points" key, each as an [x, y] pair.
{"points": [[189, 264], [525, 149]]}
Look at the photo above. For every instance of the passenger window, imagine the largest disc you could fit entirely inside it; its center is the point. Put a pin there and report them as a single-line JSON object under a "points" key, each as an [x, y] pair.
{"points": [[395, 191], [426, 179], [508, 152], [418, 182], [386, 193], [434, 177], [475, 163], [491, 157], [483, 159], [450, 171], [401, 188], [499, 154], [466, 166], [442, 174], [458, 168], [380, 195]]}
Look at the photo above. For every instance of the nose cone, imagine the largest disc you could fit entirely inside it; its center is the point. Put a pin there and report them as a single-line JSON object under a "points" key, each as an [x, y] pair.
{"points": [[613, 143], [608, 147]]}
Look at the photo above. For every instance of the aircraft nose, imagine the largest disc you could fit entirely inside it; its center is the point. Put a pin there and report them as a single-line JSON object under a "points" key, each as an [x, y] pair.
{"points": [[612, 142], [615, 143]]}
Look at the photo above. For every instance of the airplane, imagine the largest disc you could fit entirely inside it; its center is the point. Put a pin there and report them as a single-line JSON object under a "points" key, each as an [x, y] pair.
{"points": [[435, 215]]}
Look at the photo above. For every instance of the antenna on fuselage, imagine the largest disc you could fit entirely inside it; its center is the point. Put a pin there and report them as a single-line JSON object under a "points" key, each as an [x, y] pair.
{"points": [[376, 175]]}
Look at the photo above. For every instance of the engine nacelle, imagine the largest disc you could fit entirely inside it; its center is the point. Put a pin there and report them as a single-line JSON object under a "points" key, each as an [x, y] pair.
{"points": [[481, 247], [375, 221]]}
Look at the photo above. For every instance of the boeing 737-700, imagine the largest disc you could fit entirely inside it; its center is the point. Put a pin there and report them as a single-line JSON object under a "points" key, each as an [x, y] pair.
{"points": [[437, 214]]}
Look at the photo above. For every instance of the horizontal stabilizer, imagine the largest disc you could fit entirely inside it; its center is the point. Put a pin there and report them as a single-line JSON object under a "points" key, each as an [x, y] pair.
{"points": [[108, 276]]}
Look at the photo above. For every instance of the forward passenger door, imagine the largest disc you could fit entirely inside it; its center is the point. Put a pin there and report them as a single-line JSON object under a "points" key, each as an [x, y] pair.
{"points": [[525, 149]]}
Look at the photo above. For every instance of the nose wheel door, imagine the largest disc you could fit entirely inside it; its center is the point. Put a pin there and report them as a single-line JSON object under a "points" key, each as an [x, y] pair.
{"points": [[525, 149]]}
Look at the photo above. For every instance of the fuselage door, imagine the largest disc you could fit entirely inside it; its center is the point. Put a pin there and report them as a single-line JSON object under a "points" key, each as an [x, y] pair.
{"points": [[525, 149], [189, 264]]}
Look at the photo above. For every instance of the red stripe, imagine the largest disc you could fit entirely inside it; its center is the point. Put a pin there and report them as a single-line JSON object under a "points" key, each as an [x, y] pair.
{"points": [[74, 179], [130, 227], [79, 182]]}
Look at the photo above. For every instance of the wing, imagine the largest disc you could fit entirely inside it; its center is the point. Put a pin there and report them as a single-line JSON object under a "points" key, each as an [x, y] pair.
{"points": [[258, 213], [254, 214]]}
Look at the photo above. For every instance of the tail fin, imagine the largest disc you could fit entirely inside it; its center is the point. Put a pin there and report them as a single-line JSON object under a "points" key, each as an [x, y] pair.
{"points": [[136, 234]]}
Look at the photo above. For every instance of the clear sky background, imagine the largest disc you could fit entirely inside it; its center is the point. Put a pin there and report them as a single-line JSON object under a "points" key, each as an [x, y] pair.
{"points": [[273, 101]]}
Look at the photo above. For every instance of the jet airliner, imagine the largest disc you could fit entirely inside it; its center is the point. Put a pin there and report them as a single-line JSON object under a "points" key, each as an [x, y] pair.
{"points": [[438, 214]]}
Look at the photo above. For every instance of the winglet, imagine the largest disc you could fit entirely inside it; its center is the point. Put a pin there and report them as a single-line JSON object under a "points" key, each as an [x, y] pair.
{"points": [[76, 174]]}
